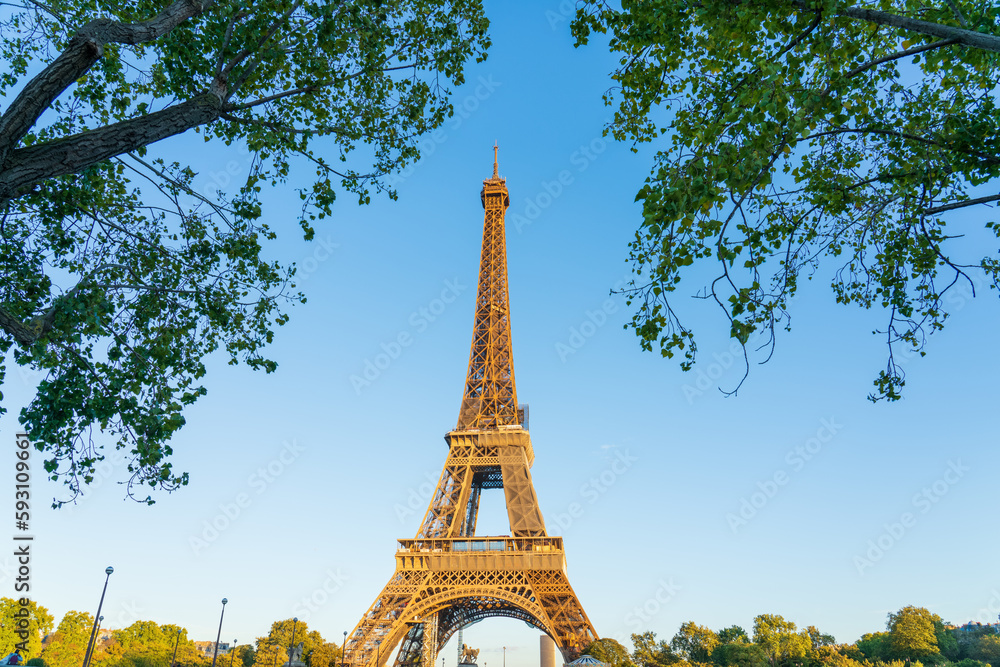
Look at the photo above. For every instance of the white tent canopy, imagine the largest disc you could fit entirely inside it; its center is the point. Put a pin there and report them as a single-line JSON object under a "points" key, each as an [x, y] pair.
{"points": [[587, 661]]}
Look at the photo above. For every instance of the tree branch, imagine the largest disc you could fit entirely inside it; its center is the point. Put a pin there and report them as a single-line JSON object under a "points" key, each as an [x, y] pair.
{"points": [[84, 49], [34, 164], [47, 9], [147, 288], [225, 45], [18, 330], [987, 160], [978, 40], [902, 54], [277, 96], [961, 204], [957, 12], [79, 56], [277, 127], [246, 52], [108, 30]]}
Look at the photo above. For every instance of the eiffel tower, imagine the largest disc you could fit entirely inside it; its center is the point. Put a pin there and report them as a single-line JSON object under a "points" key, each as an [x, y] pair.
{"points": [[447, 577]]}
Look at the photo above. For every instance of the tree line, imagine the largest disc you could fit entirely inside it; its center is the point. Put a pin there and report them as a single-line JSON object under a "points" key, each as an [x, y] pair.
{"points": [[149, 644], [914, 637]]}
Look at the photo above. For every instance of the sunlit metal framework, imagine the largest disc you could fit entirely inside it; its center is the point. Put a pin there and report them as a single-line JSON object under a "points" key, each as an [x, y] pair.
{"points": [[448, 578], [490, 399]]}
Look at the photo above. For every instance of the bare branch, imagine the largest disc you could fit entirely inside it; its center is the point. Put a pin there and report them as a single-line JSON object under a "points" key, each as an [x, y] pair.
{"points": [[252, 48], [277, 96], [48, 10], [958, 13], [960, 204], [225, 45], [902, 54], [145, 288], [988, 160], [277, 127]]}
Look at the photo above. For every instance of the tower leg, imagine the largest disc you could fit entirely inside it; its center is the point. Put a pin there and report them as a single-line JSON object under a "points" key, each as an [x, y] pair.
{"points": [[411, 651], [430, 647]]}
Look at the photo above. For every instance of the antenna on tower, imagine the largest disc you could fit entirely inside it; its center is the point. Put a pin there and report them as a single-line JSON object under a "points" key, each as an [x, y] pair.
{"points": [[496, 172]]}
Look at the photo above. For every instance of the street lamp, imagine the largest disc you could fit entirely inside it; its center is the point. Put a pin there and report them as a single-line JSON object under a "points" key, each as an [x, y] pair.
{"points": [[343, 651], [233, 656], [291, 648], [97, 637], [173, 659], [504, 656], [215, 653], [93, 633]]}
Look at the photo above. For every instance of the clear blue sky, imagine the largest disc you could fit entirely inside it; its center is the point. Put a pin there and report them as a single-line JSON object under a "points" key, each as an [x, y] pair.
{"points": [[655, 545]]}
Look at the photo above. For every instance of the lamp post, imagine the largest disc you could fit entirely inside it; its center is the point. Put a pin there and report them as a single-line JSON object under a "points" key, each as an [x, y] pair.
{"points": [[97, 636], [177, 640], [233, 656], [291, 648], [93, 633], [343, 650], [215, 653], [504, 656]]}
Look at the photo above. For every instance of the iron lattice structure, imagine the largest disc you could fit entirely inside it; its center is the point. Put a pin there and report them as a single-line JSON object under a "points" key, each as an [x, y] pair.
{"points": [[447, 578], [490, 398]]}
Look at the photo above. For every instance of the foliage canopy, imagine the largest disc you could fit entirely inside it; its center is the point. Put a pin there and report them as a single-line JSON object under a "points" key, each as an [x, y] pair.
{"points": [[68, 645], [118, 272], [799, 133], [912, 633], [36, 625]]}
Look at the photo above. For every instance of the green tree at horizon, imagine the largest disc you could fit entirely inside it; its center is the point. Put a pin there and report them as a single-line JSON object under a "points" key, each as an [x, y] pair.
{"points": [[39, 624], [68, 646]]}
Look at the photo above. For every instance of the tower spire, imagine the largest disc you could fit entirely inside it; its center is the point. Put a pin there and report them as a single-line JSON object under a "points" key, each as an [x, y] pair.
{"points": [[490, 398]]}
